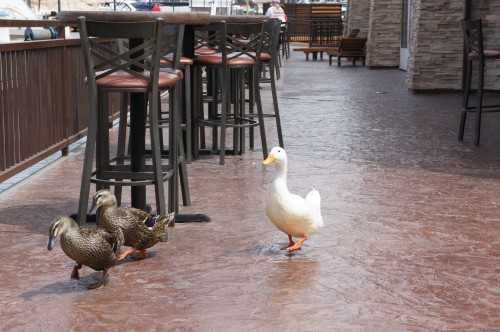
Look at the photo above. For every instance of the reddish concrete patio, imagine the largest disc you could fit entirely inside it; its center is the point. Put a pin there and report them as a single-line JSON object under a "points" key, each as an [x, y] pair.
{"points": [[411, 240]]}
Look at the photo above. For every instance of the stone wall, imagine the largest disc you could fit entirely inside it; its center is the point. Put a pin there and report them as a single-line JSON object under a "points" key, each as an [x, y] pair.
{"points": [[384, 33], [436, 45], [358, 16]]}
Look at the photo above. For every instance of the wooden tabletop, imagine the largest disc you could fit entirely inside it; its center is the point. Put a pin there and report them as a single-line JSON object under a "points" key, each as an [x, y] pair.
{"points": [[193, 18], [112, 16], [237, 18]]}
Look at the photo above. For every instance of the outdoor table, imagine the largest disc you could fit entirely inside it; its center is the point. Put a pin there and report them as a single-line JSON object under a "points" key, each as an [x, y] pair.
{"points": [[137, 113]]}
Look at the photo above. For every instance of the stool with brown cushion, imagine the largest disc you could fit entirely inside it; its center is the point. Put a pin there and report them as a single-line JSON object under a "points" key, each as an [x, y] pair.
{"points": [[234, 61], [135, 69], [475, 53], [170, 61]]}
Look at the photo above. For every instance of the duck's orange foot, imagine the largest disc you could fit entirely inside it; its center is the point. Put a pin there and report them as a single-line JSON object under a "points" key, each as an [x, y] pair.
{"points": [[142, 255], [298, 245], [127, 253], [294, 247]]}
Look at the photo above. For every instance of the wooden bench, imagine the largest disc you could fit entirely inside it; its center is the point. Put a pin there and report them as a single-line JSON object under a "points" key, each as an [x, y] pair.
{"points": [[315, 51], [332, 48], [353, 48]]}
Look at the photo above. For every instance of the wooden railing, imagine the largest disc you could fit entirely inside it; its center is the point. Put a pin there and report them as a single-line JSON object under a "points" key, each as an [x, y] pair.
{"points": [[317, 32], [318, 24], [43, 98]]}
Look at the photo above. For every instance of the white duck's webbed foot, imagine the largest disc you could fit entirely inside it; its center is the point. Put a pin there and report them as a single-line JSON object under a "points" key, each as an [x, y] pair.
{"points": [[298, 245]]}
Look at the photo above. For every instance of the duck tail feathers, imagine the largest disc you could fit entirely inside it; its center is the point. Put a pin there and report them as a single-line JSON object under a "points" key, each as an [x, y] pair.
{"points": [[314, 197], [321, 223]]}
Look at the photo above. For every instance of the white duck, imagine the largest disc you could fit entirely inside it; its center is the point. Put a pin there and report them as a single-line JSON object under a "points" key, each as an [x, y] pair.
{"points": [[292, 214]]}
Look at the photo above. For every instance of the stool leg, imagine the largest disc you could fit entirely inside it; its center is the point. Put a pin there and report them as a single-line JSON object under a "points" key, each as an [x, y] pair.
{"points": [[183, 178], [239, 112], [275, 103], [88, 160], [224, 85], [197, 94], [188, 113], [479, 103], [122, 138], [212, 90], [156, 152], [465, 101], [102, 143], [251, 104], [174, 126], [255, 82]]}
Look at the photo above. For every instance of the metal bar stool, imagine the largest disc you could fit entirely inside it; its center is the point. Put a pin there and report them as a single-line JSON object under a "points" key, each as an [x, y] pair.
{"points": [[134, 70], [235, 58], [475, 52], [170, 61]]}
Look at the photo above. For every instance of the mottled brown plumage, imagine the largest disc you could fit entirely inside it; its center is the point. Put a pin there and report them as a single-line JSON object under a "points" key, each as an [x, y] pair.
{"points": [[92, 247], [132, 222]]}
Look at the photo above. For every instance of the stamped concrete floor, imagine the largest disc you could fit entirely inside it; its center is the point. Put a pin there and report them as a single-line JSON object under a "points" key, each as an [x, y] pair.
{"points": [[411, 239]]}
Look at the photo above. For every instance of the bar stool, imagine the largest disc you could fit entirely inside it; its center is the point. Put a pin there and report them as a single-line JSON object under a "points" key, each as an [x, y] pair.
{"points": [[135, 69], [234, 58], [170, 61], [475, 52], [285, 41], [178, 61]]}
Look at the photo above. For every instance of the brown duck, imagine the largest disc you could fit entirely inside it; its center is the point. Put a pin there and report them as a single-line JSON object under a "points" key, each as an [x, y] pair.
{"points": [[140, 229], [92, 247]]}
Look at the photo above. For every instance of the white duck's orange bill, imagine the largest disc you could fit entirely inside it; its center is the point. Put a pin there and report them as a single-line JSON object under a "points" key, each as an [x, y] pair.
{"points": [[269, 160]]}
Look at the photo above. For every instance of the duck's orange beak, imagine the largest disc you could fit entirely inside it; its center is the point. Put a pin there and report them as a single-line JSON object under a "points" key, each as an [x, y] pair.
{"points": [[269, 160]]}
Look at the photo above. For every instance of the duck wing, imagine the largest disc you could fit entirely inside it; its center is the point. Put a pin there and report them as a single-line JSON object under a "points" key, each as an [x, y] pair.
{"points": [[113, 239], [90, 247]]}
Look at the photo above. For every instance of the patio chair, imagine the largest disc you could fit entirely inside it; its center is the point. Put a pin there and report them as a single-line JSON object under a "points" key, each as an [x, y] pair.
{"points": [[351, 48]]}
